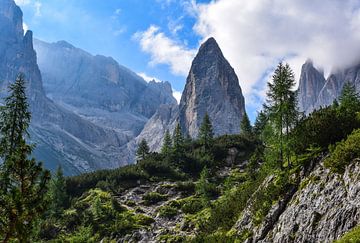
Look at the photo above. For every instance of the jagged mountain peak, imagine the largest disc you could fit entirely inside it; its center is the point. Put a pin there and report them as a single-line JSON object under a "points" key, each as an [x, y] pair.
{"points": [[211, 87], [310, 85]]}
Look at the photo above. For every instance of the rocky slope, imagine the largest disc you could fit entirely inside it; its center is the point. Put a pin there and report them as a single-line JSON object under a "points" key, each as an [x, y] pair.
{"points": [[326, 206], [211, 87]]}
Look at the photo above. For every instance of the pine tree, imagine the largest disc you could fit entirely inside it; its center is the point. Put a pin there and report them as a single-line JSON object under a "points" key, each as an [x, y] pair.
{"points": [[15, 118], [206, 133], [245, 127], [260, 123], [143, 150], [282, 106], [349, 99], [23, 181], [178, 141], [167, 145], [58, 195]]}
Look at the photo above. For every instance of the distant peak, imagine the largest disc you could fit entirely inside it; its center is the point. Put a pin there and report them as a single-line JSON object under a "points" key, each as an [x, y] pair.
{"points": [[210, 43], [64, 44]]}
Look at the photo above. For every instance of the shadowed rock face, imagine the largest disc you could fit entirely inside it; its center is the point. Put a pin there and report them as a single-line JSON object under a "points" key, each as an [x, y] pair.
{"points": [[310, 85], [77, 131], [211, 87]]}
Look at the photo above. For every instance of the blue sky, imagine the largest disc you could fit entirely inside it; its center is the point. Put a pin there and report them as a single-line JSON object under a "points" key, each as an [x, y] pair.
{"points": [[159, 38]]}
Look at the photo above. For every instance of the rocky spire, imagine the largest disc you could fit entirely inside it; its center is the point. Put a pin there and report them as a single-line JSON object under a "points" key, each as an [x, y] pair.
{"points": [[310, 85], [211, 87]]}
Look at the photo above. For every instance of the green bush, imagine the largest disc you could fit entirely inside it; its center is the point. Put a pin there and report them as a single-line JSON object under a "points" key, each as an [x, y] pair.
{"points": [[353, 236], [192, 205], [344, 152], [168, 211], [153, 197]]}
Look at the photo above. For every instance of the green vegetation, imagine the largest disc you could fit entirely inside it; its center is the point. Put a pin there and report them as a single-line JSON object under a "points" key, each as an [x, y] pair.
{"points": [[352, 236], [344, 152], [205, 186], [153, 197], [23, 181]]}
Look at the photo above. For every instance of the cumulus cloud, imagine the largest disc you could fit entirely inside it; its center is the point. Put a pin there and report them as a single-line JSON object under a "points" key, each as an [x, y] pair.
{"points": [[148, 78], [256, 34], [164, 50]]}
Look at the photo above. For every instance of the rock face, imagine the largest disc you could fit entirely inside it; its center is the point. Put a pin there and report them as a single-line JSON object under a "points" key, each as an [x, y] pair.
{"points": [[322, 208], [211, 87], [315, 92], [326, 208], [76, 130], [310, 85]]}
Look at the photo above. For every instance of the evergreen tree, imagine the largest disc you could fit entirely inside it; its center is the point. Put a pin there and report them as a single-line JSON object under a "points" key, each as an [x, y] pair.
{"points": [[206, 133], [282, 106], [245, 126], [260, 123], [142, 150], [167, 145], [178, 141], [23, 181], [349, 99], [15, 118], [57, 191]]}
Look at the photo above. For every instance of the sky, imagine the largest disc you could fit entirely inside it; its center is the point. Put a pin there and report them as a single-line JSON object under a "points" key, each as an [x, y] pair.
{"points": [[159, 38]]}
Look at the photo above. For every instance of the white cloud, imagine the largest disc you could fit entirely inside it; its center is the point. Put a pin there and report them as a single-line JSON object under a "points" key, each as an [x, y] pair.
{"points": [[37, 6], [148, 78], [164, 50], [177, 95], [255, 35], [25, 27], [22, 2]]}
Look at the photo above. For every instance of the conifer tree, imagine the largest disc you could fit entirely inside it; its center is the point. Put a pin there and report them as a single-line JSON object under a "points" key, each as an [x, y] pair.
{"points": [[282, 105], [142, 150], [245, 126], [178, 141], [57, 191], [260, 123], [167, 145], [23, 181], [206, 133], [349, 98], [15, 118]]}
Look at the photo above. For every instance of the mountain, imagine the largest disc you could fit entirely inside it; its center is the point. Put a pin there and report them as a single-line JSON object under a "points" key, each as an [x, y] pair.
{"points": [[310, 85], [315, 92], [76, 131], [211, 87]]}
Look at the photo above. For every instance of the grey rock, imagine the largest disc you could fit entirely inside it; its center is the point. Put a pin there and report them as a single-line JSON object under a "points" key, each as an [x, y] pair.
{"points": [[211, 87], [83, 131], [314, 92], [323, 210], [310, 85]]}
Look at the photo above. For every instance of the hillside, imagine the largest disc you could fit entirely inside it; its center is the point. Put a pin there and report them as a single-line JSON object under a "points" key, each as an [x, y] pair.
{"points": [[229, 191]]}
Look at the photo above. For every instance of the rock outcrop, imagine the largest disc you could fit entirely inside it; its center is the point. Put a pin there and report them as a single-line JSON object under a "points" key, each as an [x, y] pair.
{"points": [[310, 85], [211, 87], [323, 210]]}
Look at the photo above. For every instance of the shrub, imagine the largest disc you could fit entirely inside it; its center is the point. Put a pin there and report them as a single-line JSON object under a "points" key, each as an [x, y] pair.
{"points": [[168, 211], [192, 205], [344, 152], [153, 197]]}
